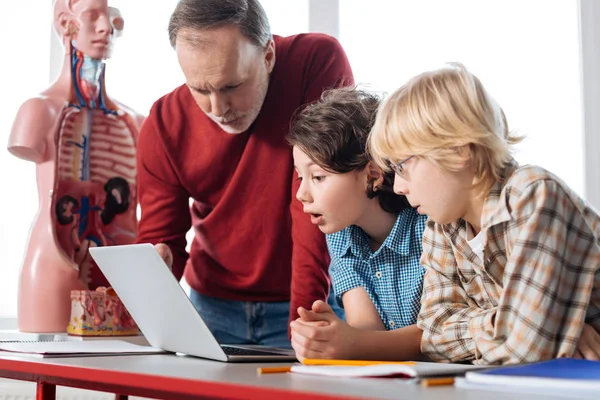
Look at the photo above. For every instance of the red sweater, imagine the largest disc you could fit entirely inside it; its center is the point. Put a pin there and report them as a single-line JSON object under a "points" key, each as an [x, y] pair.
{"points": [[252, 241]]}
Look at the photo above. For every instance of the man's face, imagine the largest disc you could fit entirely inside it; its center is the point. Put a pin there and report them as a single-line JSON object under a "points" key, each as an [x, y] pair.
{"points": [[227, 75], [97, 26]]}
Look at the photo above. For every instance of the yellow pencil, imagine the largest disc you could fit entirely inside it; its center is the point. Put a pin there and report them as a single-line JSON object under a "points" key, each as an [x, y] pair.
{"points": [[314, 361], [437, 382], [273, 370]]}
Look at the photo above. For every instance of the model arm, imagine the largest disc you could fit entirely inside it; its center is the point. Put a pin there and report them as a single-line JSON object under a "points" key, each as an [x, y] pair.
{"points": [[33, 129]]}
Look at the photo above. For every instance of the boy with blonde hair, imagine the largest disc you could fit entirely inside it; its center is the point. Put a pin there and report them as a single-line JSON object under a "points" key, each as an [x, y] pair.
{"points": [[511, 252]]}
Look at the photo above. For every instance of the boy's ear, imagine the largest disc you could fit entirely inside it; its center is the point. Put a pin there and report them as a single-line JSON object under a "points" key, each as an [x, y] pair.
{"points": [[374, 173], [465, 154]]}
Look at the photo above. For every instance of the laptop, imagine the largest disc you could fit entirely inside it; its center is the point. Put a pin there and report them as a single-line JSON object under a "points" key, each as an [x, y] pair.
{"points": [[164, 312]]}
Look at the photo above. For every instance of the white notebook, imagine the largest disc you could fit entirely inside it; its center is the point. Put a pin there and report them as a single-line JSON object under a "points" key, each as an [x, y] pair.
{"points": [[408, 370], [14, 335], [76, 349]]}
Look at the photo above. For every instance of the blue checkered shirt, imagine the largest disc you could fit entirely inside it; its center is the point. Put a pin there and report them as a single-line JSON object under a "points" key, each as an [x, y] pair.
{"points": [[392, 275]]}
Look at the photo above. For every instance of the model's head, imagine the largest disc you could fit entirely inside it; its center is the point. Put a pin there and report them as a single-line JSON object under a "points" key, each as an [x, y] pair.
{"points": [[90, 25]]}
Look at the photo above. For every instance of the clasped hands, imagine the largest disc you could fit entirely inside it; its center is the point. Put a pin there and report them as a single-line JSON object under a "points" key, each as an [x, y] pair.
{"points": [[319, 333]]}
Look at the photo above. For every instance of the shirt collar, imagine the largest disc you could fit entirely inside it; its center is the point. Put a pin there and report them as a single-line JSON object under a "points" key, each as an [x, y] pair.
{"points": [[399, 238], [495, 209], [355, 239]]}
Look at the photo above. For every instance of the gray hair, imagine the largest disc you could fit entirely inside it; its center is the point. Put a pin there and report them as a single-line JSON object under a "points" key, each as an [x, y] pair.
{"points": [[248, 15]]}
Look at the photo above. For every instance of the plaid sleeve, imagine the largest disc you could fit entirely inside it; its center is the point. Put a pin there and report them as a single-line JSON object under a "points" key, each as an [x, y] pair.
{"points": [[552, 257], [446, 309], [548, 279], [342, 270]]}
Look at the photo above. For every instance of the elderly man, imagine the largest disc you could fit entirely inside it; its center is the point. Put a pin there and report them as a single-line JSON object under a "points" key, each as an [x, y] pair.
{"points": [[220, 139]]}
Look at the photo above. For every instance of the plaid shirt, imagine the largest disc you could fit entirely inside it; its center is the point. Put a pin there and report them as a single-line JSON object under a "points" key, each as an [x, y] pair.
{"points": [[538, 285], [392, 276]]}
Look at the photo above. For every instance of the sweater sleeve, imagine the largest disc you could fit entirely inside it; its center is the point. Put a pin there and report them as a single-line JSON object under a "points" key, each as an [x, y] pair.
{"points": [[327, 67], [163, 200]]}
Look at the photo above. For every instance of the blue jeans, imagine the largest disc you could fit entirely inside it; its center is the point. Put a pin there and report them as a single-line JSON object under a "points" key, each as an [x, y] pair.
{"points": [[247, 322]]}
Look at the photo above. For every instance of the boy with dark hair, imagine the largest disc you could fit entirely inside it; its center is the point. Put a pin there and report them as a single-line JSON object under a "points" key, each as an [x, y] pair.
{"points": [[373, 236]]}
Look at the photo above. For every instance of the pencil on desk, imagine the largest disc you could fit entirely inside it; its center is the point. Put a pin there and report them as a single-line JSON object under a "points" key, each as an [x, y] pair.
{"points": [[273, 370], [315, 361], [437, 382]]}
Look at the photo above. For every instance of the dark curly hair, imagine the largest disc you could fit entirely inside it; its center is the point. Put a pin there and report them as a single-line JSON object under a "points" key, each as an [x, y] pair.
{"points": [[333, 133]]}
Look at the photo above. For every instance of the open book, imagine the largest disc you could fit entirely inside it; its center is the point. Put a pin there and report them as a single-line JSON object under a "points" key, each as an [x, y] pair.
{"points": [[76, 349], [344, 368]]}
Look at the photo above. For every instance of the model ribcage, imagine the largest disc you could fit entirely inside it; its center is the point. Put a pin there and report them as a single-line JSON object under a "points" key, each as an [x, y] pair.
{"points": [[95, 146], [95, 193]]}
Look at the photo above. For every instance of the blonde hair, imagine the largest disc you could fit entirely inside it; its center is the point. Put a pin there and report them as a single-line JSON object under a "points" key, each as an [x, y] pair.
{"points": [[447, 116]]}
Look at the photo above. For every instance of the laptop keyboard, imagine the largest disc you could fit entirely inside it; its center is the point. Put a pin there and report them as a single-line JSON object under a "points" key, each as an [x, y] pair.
{"points": [[236, 351]]}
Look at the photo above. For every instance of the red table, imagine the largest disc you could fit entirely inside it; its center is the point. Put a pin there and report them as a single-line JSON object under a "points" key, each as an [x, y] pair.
{"points": [[129, 377], [167, 376]]}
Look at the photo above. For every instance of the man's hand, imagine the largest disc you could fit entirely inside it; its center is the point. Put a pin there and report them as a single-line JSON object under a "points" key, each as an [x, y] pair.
{"points": [[165, 253], [588, 346], [319, 333]]}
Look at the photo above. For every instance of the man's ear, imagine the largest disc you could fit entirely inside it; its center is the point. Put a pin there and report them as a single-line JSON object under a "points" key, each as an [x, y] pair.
{"points": [[270, 55]]}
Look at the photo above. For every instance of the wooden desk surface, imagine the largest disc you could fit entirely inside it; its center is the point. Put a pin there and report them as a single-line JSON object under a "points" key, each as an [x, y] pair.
{"points": [[180, 377]]}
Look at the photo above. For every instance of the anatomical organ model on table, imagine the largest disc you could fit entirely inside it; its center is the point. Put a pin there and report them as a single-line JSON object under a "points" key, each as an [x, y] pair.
{"points": [[83, 144]]}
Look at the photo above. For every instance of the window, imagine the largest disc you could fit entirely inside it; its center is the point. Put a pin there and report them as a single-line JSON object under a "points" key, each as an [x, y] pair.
{"points": [[525, 52]]}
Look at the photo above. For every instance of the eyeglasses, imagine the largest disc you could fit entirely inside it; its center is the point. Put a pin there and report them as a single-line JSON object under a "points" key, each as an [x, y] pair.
{"points": [[398, 167]]}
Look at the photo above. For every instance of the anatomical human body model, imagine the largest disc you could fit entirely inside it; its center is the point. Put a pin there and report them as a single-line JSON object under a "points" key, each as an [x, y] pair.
{"points": [[83, 144]]}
